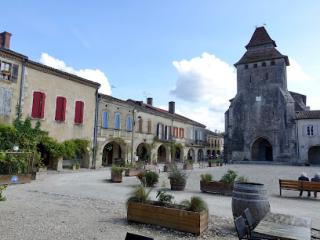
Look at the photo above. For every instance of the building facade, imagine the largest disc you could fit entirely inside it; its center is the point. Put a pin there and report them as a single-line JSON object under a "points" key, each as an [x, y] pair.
{"points": [[133, 130], [261, 122], [63, 103]]}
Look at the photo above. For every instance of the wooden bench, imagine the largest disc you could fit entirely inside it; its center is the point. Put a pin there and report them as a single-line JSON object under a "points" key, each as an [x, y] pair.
{"points": [[298, 185]]}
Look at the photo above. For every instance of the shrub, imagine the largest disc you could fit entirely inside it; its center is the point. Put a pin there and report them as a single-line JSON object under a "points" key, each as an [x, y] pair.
{"points": [[164, 197], [229, 177], [207, 177], [116, 170], [14, 163], [2, 188], [196, 204], [148, 179], [139, 194], [177, 176], [152, 178]]}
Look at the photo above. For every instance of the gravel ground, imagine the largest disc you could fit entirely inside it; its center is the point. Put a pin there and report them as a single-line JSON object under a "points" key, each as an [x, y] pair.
{"points": [[83, 205]]}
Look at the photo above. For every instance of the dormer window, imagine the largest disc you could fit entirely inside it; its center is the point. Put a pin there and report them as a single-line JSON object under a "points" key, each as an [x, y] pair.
{"points": [[255, 65]]}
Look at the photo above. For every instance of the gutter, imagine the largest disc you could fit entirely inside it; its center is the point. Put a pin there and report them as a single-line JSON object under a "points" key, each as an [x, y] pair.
{"points": [[95, 130]]}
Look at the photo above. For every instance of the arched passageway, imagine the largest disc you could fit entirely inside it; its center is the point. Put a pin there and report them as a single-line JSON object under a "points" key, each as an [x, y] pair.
{"points": [[261, 150], [162, 154], [314, 155], [200, 155], [177, 154], [143, 152], [111, 153], [191, 155]]}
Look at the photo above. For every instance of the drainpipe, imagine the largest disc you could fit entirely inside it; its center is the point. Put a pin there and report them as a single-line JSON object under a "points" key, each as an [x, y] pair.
{"points": [[22, 81], [132, 133], [95, 130]]}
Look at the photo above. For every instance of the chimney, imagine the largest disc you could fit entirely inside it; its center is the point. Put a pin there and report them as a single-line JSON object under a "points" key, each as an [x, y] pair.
{"points": [[172, 107], [5, 40], [150, 101]]}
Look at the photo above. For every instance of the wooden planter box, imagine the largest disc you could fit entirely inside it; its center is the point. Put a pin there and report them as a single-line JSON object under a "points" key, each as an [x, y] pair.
{"points": [[186, 221], [132, 172], [15, 178], [217, 187], [187, 166], [117, 178]]}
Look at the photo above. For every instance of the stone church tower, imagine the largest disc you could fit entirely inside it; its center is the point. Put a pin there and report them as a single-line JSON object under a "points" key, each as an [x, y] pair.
{"points": [[260, 122]]}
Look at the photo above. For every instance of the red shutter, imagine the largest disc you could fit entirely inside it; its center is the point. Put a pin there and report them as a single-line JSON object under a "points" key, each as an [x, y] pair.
{"points": [[78, 118], [38, 105], [42, 104], [60, 109]]}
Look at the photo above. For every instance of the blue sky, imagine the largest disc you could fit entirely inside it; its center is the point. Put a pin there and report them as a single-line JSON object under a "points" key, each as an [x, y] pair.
{"points": [[150, 48]]}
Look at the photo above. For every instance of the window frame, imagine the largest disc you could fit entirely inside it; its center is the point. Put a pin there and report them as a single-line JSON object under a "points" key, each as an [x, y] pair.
{"points": [[61, 115], [116, 121]]}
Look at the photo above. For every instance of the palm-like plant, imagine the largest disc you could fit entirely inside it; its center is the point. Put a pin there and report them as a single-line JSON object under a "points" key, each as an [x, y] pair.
{"points": [[195, 204], [139, 194]]}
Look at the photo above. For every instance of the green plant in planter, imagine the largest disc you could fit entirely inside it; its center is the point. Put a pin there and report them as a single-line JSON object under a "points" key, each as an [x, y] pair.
{"points": [[177, 176], [195, 204], [242, 179], [2, 188], [116, 170], [139, 194], [206, 178], [164, 198], [148, 179], [229, 177]]}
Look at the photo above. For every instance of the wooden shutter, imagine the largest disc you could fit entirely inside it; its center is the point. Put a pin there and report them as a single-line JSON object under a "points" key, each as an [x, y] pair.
{"points": [[14, 73], [105, 120], [38, 105], [78, 118], [60, 109]]}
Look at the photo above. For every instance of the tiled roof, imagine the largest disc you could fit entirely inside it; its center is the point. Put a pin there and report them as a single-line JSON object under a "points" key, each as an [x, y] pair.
{"points": [[175, 116], [261, 55], [260, 37], [308, 114]]}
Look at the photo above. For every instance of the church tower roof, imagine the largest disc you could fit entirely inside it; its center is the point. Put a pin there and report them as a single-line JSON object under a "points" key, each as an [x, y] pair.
{"points": [[261, 47], [260, 37]]}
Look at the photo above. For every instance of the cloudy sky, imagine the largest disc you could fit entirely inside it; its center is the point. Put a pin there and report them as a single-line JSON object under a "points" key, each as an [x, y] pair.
{"points": [[169, 50]]}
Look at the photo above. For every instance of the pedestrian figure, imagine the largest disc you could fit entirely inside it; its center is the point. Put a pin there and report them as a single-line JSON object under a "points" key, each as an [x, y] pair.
{"points": [[304, 177], [316, 178]]}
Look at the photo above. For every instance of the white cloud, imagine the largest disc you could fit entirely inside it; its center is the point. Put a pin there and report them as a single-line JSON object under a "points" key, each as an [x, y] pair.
{"points": [[205, 78], [300, 81], [95, 75]]}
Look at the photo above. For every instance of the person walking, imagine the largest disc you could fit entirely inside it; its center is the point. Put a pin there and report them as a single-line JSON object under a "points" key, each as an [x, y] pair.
{"points": [[304, 177], [316, 178]]}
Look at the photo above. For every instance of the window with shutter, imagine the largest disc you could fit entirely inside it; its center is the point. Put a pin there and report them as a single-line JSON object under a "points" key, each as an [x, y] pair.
{"points": [[105, 120], [149, 126], [129, 123], [38, 105], [78, 116], [14, 75], [117, 121], [60, 109], [5, 101], [140, 125]]}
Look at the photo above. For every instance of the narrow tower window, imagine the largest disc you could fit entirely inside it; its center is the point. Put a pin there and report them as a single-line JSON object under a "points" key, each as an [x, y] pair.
{"points": [[255, 65], [263, 64]]}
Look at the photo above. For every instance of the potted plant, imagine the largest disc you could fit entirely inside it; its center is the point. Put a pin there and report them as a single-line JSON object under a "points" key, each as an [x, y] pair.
{"points": [[188, 165], [224, 186], [116, 173], [178, 179], [210, 162], [189, 216], [148, 178]]}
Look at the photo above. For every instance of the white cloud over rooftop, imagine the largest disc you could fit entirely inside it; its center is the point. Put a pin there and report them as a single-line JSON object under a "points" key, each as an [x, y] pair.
{"points": [[95, 75]]}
